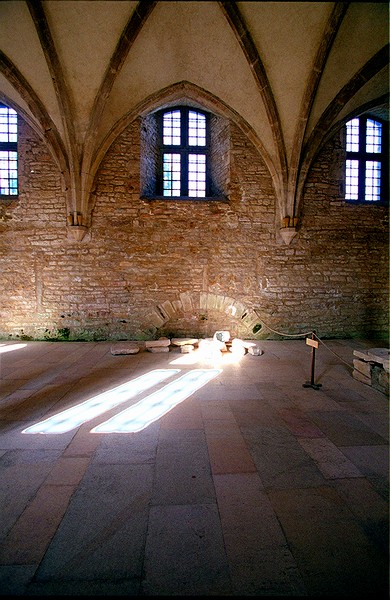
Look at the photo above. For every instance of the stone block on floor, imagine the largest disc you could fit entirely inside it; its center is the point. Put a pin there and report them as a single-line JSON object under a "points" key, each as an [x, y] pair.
{"points": [[372, 368], [125, 348], [160, 343]]}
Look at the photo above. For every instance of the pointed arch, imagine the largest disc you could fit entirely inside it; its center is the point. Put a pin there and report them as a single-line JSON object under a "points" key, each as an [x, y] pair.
{"points": [[325, 46], [47, 129], [183, 92], [244, 38], [128, 36], [61, 89], [321, 133]]}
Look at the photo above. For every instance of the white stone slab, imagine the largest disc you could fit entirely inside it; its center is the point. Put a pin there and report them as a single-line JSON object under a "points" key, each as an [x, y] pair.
{"points": [[237, 347], [125, 348], [184, 341], [157, 343], [248, 344], [255, 351], [186, 348], [221, 336], [210, 348]]}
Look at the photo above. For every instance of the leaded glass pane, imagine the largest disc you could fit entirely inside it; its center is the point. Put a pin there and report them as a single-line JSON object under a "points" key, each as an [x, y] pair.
{"points": [[353, 135], [373, 136], [171, 174], [373, 181], [352, 180], [197, 175], [8, 124], [8, 173], [171, 128], [196, 129]]}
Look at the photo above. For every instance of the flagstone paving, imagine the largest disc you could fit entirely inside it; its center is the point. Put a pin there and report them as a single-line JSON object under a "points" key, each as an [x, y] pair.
{"points": [[250, 485]]}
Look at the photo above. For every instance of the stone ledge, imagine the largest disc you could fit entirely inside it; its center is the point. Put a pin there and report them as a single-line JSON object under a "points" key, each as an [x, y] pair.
{"points": [[372, 368]]}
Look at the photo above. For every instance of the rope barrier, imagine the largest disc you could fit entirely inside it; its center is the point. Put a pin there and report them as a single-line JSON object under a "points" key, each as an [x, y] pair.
{"points": [[314, 337], [283, 334], [337, 356]]}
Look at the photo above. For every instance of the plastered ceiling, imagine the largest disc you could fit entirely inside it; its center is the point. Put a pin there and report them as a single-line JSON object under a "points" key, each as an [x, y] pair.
{"points": [[289, 73]]}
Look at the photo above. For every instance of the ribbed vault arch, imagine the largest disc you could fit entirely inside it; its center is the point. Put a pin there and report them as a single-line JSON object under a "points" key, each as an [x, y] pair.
{"points": [[324, 127], [63, 95], [129, 35], [182, 92], [47, 130], [318, 66]]}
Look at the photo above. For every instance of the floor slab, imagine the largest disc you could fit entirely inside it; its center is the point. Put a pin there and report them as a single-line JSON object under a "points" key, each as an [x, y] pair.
{"points": [[250, 485]]}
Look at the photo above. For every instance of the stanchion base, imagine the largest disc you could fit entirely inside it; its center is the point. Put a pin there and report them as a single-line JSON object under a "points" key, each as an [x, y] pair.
{"points": [[315, 386]]}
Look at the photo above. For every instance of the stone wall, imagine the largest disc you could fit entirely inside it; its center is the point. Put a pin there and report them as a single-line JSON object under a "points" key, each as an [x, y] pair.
{"points": [[149, 268]]}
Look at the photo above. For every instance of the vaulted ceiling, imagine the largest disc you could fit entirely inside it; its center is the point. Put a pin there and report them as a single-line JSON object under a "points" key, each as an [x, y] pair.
{"points": [[289, 73]]}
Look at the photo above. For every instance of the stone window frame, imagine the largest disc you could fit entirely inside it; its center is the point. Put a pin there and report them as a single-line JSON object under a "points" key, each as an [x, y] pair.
{"points": [[184, 150], [218, 173], [362, 157]]}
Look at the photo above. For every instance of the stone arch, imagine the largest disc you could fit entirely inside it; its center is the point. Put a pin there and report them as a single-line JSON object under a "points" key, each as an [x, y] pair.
{"points": [[183, 92], [242, 320]]}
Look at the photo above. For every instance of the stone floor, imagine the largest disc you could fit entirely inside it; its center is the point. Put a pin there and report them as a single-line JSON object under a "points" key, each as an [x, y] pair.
{"points": [[252, 485]]}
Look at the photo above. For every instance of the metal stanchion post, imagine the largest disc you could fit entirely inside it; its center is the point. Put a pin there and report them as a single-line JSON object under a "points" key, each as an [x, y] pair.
{"points": [[314, 345]]}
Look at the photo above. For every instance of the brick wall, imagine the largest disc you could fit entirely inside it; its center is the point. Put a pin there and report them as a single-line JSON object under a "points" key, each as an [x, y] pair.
{"points": [[154, 267]]}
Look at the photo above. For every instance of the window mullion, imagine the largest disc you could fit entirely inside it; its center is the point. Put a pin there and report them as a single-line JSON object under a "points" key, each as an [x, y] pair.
{"points": [[362, 159], [184, 152], [384, 166], [362, 179], [184, 173]]}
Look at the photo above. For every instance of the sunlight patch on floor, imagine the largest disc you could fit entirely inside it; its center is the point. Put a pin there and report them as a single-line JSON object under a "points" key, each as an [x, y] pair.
{"points": [[209, 355], [79, 414], [151, 408], [10, 347]]}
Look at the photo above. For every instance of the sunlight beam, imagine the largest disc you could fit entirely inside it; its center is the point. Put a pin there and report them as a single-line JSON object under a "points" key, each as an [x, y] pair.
{"points": [[10, 347], [151, 408], [77, 415]]}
